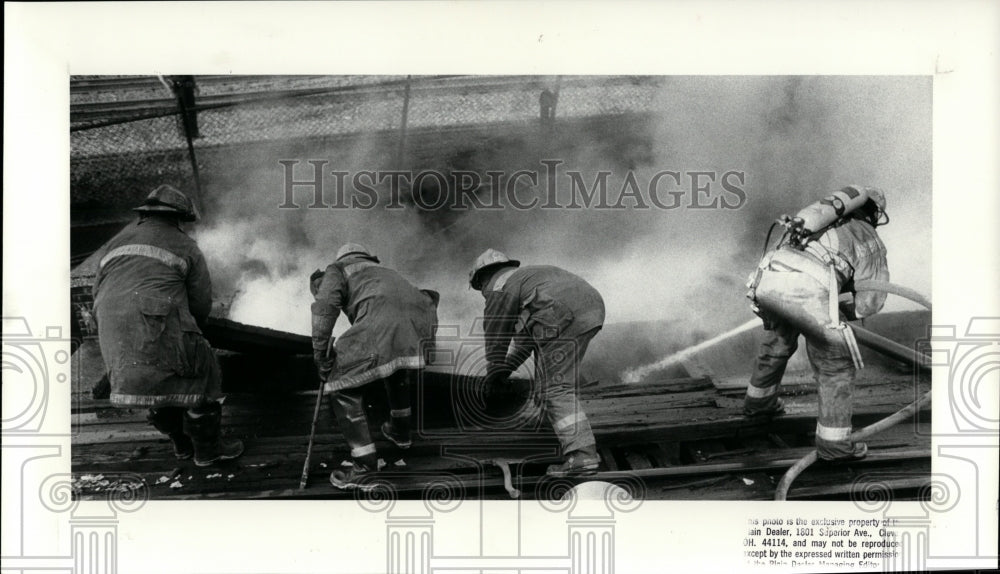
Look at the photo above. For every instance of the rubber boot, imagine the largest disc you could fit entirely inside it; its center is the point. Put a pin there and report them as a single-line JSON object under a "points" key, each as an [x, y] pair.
{"points": [[203, 424], [348, 407], [582, 462], [398, 432], [356, 475], [397, 429], [170, 421]]}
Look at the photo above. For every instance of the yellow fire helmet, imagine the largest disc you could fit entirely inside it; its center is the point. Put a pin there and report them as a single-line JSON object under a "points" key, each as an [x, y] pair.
{"points": [[489, 259], [355, 249]]}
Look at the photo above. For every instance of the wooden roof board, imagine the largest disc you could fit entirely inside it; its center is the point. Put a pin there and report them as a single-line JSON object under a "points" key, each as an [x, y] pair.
{"points": [[112, 441], [637, 425]]}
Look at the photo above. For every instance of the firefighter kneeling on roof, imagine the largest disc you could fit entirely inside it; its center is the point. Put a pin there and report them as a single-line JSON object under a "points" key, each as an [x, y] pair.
{"points": [[827, 247], [151, 294], [391, 322], [554, 314]]}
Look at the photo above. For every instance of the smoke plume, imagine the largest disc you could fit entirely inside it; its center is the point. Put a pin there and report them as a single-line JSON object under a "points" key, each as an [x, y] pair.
{"points": [[794, 138]]}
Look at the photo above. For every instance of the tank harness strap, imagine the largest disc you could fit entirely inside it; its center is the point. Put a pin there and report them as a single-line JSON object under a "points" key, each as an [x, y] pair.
{"points": [[834, 294], [765, 260]]}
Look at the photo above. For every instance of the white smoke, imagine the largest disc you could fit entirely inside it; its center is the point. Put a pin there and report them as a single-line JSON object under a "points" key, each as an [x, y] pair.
{"points": [[795, 139]]}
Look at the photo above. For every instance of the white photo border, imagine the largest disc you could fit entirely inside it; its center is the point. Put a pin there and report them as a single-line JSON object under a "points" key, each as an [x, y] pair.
{"points": [[955, 42]]}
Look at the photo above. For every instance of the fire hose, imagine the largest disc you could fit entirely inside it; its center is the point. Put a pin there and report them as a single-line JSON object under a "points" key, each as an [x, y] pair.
{"points": [[888, 348], [893, 289]]}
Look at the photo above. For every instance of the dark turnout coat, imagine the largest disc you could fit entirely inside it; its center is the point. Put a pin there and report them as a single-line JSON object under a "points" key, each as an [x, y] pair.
{"points": [[857, 254], [151, 290], [540, 303], [797, 294], [392, 321], [552, 314]]}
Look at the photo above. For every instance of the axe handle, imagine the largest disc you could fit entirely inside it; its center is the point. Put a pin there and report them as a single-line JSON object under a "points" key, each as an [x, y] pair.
{"points": [[312, 431]]}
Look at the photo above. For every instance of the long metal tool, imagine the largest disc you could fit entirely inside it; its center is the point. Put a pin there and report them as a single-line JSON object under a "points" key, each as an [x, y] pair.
{"points": [[312, 431]]}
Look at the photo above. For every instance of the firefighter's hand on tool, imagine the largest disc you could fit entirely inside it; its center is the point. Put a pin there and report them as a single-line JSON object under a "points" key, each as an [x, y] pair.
{"points": [[324, 362], [325, 367]]}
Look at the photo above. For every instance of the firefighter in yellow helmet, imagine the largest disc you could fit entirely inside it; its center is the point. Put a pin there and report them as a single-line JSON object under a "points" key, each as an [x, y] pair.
{"points": [[392, 323], [554, 314], [792, 291], [152, 293]]}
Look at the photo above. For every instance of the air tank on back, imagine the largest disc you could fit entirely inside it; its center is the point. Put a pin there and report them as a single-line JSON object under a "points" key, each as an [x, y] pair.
{"points": [[826, 211]]}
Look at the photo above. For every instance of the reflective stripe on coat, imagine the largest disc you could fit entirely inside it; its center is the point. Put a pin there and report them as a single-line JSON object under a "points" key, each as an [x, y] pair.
{"points": [[542, 302], [392, 321], [151, 290]]}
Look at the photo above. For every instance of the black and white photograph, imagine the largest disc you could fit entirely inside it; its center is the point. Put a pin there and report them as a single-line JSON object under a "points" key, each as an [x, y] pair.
{"points": [[422, 287], [498, 281]]}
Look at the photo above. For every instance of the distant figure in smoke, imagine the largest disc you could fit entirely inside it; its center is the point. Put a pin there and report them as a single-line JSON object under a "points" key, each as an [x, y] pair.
{"points": [[831, 245], [390, 322], [547, 104], [152, 293], [184, 89], [554, 314]]}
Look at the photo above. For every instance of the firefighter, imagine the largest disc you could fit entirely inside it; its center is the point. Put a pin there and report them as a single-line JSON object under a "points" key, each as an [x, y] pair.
{"points": [[796, 290], [392, 324], [152, 293], [553, 314]]}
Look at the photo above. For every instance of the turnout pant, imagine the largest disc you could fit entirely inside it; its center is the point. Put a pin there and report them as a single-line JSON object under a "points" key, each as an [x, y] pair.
{"points": [[558, 373], [793, 303], [349, 408], [170, 420]]}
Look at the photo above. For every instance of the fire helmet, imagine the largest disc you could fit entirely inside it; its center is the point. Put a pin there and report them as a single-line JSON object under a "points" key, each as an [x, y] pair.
{"points": [[169, 199], [487, 260], [355, 249]]}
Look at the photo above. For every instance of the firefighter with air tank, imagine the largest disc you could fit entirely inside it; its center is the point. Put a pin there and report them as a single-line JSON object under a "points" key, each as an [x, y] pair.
{"points": [[805, 285], [553, 314]]}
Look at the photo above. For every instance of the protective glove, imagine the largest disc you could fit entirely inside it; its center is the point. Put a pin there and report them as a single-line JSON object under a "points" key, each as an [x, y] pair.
{"points": [[522, 349], [496, 377], [325, 362]]}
